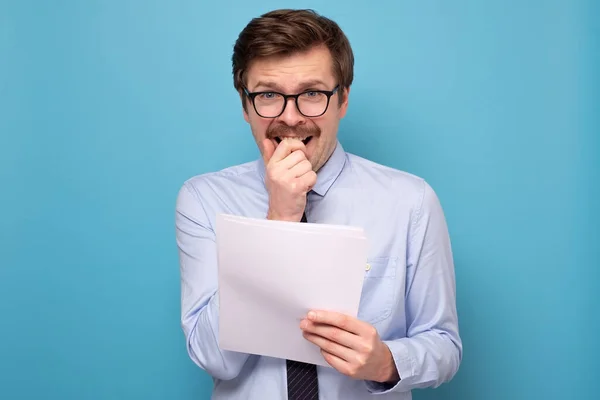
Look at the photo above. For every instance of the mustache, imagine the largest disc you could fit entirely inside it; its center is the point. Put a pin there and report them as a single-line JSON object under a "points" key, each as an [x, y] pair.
{"points": [[279, 130]]}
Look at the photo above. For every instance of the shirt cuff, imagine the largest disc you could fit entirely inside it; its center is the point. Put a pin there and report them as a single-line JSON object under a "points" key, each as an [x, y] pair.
{"points": [[403, 364]]}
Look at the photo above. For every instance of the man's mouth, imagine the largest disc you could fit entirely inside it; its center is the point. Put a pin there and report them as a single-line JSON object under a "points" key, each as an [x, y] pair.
{"points": [[305, 140]]}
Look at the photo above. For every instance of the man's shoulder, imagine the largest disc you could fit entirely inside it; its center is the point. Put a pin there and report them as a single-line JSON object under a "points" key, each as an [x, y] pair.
{"points": [[398, 187], [388, 178], [224, 176]]}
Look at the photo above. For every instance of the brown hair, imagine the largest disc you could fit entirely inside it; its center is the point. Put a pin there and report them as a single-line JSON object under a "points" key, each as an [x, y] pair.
{"points": [[284, 32]]}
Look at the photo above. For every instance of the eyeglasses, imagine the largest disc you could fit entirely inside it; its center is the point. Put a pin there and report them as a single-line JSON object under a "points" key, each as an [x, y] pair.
{"points": [[311, 103]]}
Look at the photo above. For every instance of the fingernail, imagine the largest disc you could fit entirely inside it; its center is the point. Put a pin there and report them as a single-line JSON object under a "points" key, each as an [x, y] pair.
{"points": [[303, 324], [312, 315]]}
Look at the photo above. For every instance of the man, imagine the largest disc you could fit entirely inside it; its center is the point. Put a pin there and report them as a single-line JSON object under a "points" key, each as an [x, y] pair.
{"points": [[293, 71]]}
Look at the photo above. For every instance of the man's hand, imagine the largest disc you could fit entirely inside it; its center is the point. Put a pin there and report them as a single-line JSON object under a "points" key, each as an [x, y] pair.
{"points": [[289, 177], [351, 346]]}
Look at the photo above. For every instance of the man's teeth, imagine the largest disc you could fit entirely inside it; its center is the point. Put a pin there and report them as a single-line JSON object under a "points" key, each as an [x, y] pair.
{"points": [[288, 138]]}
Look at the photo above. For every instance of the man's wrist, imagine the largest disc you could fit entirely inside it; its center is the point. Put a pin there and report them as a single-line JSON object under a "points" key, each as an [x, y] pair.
{"points": [[271, 215], [389, 372]]}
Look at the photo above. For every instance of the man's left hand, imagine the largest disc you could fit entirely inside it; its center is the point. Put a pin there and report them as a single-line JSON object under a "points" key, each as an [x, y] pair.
{"points": [[351, 346]]}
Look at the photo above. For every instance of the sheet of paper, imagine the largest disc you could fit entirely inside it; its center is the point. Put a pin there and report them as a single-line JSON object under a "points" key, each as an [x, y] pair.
{"points": [[271, 273]]}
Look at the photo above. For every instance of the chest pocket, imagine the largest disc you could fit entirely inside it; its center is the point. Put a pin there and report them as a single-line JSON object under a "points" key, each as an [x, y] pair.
{"points": [[379, 290]]}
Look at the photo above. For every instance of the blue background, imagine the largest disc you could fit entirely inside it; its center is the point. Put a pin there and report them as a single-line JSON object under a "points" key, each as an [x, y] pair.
{"points": [[106, 107]]}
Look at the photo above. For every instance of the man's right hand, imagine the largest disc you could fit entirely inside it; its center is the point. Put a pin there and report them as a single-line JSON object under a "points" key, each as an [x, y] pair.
{"points": [[289, 177]]}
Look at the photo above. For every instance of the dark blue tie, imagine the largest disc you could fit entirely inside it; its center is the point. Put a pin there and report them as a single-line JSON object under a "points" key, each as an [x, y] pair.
{"points": [[302, 382]]}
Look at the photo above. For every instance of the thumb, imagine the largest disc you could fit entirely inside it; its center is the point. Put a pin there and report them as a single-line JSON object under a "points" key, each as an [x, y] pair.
{"points": [[268, 150]]}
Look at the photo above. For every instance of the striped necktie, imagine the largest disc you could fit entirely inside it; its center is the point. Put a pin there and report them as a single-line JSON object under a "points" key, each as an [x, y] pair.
{"points": [[302, 383]]}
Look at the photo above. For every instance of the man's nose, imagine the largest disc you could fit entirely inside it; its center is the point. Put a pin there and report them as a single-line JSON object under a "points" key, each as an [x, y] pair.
{"points": [[291, 116]]}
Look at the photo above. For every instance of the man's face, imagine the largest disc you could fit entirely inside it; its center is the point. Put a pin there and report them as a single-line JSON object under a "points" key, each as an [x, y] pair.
{"points": [[294, 74]]}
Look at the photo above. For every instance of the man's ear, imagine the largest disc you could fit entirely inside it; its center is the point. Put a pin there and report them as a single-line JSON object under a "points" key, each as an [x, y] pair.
{"points": [[243, 100], [246, 116], [344, 106]]}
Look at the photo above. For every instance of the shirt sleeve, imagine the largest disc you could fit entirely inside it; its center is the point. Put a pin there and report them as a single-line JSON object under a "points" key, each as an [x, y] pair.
{"points": [[431, 352], [199, 296]]}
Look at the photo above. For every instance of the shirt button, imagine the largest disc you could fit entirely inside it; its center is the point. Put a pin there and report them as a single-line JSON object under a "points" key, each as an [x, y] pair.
{"points": [[368, 267]]}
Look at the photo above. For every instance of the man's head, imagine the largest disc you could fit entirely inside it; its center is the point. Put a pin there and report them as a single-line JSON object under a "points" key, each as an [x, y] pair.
{"points": [[289, 52]]}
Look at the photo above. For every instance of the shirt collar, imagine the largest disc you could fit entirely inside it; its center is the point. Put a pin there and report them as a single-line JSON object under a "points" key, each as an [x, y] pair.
{"points": [[326, 175]]}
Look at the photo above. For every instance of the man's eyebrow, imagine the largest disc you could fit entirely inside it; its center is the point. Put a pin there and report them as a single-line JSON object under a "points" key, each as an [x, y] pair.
{"points": [[312, 84], [267, 85], [270, 85]]}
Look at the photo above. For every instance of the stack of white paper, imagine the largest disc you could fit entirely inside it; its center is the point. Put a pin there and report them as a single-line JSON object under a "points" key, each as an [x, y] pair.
{"points": [[271, 273]]}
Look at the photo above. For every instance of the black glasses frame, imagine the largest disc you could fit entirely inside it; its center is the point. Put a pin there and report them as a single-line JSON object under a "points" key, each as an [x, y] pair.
{"points": [[286, 97]]}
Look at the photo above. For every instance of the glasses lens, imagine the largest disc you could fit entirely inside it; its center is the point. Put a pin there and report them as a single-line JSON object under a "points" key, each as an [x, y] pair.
{"points": [[268, 104], [312, 103]]}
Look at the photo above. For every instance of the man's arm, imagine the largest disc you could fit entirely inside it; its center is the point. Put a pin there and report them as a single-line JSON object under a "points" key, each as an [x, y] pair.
{"points": [[432, 351], [199, 297]]}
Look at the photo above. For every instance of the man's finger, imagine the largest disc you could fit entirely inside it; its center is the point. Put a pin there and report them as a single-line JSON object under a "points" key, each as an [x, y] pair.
{"points": [[300, 168], [309, 179], [337, 363], [285, 148], [292, 160], [342, 321], [330, 347], [332, 333]]}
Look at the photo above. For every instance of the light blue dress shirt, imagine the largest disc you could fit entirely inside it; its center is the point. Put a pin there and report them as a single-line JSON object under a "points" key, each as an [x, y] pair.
{"points": [[409, 285]]}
